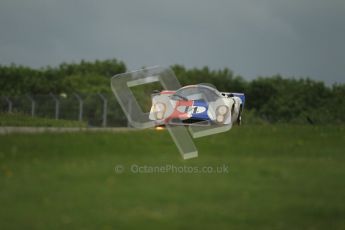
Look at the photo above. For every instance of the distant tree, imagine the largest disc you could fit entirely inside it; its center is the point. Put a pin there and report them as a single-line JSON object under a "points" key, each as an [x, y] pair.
{"points": [[274, 99]]}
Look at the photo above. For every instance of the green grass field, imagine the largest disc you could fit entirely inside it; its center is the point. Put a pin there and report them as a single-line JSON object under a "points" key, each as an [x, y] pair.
{"points": [[280, 177], [24, 120]]}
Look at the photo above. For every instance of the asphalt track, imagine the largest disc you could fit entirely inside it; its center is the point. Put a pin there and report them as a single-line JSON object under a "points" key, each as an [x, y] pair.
{"points": [[9, 130]]}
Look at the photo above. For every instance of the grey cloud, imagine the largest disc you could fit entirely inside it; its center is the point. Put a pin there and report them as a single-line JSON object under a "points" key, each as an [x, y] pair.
{"points": [[294, 38]]}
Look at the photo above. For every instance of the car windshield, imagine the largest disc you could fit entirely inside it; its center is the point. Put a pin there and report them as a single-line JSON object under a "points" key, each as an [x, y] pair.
{"points": [[197, 92], [178, 97]]}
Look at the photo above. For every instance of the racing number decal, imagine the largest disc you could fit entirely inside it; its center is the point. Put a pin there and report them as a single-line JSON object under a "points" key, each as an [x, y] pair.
{"points": [[198, 109], [191, 109], [195, 109]]}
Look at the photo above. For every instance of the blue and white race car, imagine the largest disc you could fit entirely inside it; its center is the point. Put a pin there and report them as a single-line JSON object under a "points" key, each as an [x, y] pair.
{"points": [[194, 104]]}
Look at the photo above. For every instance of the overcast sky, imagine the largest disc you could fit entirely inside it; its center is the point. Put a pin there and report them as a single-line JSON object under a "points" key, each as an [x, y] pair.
{"points": [[251, 37]]}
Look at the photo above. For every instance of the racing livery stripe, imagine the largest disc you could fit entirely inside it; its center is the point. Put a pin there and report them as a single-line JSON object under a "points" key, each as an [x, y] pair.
{"points": [[167, 92]]}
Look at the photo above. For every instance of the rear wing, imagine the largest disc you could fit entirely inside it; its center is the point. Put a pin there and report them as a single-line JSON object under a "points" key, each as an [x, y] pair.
{"points": [[240, 95]]}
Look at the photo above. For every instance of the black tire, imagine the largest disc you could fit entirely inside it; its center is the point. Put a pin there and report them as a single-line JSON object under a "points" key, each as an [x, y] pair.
{"points": [[239, 119]]}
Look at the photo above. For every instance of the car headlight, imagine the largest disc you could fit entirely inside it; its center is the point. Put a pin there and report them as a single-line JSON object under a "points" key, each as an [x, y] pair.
{"points": [[159, 110], [220, 118], [159, 106], [222, 110]]}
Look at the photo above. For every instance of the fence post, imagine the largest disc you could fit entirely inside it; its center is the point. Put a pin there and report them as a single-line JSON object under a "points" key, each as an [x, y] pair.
{"points": [[81, 103], [57, 105], [33, 105], [105, 109], [9, 102]]}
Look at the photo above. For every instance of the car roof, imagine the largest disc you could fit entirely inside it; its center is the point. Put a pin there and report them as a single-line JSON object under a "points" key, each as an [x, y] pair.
{"points": [[210, 87]]}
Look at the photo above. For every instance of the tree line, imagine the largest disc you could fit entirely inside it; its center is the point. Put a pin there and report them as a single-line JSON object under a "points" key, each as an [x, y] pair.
{"points": [[268, 99]]}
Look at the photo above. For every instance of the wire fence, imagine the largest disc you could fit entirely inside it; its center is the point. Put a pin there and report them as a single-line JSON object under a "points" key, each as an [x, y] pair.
{"points": [[97, 110]]}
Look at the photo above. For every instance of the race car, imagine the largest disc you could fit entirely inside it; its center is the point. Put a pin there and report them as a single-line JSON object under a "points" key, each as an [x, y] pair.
{"points": [[195, 104]]}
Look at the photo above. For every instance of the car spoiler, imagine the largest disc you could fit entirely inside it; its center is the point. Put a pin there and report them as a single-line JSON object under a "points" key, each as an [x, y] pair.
{"points": [[240, 95]]}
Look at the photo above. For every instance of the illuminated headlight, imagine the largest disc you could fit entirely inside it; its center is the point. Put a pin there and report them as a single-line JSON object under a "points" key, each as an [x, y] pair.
{"points": [[222, 110], [159, 110]]}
